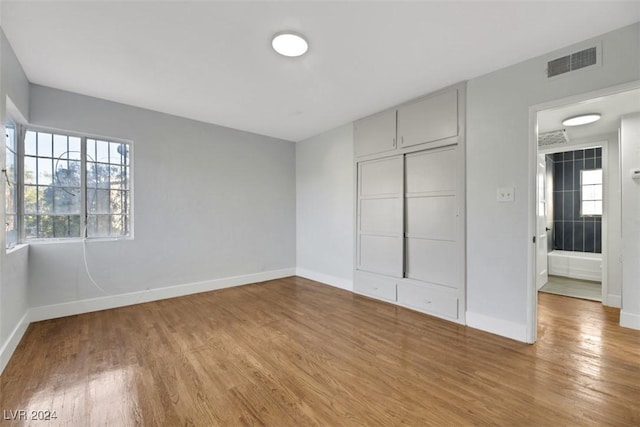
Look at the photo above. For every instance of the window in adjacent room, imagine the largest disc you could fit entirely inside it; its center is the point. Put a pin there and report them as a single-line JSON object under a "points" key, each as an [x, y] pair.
{"points": [[75, 186], [10, 173], [591, 192]]}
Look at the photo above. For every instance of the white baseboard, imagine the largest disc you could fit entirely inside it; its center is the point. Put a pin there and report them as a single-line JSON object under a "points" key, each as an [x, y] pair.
{"points": [[505, 328], [629, 320], [9, 346], [113, 301], [327, 279], [613, 301]]}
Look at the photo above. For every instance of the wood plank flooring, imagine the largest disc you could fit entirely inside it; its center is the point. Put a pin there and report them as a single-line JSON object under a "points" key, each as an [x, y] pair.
{"points": [[293, 352]]}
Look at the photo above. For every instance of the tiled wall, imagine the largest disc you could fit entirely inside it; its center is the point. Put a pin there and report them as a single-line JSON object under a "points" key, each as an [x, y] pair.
{"points": [[571, 232]]}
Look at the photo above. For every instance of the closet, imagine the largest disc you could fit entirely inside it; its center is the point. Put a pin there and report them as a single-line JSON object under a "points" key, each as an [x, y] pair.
{"points": [[410, 223]]}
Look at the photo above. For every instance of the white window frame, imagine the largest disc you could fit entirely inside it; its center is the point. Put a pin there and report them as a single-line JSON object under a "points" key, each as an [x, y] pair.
{"points": [[83, 186], [582, 193]]}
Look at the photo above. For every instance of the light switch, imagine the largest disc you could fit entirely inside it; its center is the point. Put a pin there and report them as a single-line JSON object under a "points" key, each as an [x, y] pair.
{"points": [[506, 194]]}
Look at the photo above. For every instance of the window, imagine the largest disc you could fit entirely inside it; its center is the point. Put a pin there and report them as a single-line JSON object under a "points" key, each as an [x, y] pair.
{"points": [[75, 186], [11, 176], [591, 192]]}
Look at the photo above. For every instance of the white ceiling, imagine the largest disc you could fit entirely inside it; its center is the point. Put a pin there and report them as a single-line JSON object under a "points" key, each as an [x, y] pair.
{"points": [[611, 108], [212, 61]]}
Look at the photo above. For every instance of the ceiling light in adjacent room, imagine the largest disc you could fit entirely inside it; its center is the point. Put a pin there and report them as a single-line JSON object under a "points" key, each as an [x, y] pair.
{"points": [[289, 44], [582, 119]]}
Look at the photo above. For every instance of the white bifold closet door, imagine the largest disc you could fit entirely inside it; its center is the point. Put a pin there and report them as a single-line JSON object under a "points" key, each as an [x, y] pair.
{"points": [[380, 216], [432, 231]]}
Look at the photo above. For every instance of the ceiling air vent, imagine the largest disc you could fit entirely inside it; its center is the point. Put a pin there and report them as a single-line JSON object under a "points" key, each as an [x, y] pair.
{"points": [[553, 137], [572, 62]]}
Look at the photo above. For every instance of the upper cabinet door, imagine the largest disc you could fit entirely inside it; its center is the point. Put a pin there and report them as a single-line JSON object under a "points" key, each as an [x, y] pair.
{"points": [[430, 119], [375, 134]]}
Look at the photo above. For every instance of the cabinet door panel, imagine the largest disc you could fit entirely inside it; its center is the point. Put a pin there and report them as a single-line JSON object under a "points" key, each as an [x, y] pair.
{"points": [[433, 261], [430, 119], [432, 217], [381, 177], [431, 171], [375, 134], [380, 218], [381, 254], [380, 215]]}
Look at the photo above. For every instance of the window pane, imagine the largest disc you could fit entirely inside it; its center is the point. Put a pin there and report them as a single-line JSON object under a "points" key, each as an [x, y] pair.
{"points": [[60, 149], [45, 228], [30, 199], [67, 200], [74, 148], [45, 144], [117, 153], [45, 199], [10, 164], [29, 170], [589, 192], [117, 225], [593, 176], [102, 151], [12, 230], [45, 171], [91, 150], [590, 208], [30, 226], [10, 199], [98, 225], [67, 173], [30, 143], [11, 137]]}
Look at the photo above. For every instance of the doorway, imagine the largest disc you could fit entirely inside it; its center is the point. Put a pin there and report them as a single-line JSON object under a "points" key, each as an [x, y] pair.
{"points": [[591, 224]]}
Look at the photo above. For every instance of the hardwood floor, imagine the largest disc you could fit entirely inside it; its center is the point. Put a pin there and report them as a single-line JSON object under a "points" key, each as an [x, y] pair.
{"points": [[295, 352]]}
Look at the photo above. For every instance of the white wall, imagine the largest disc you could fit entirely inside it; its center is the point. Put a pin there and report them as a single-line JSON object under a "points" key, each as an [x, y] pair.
{"points": [[13, 277], [499, 238], [630, 148], [212, 207], [324, 207]]}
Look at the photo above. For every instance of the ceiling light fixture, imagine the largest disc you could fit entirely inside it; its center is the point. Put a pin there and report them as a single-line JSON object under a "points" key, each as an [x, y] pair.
{"points": [[582, 119], [289, 44]]}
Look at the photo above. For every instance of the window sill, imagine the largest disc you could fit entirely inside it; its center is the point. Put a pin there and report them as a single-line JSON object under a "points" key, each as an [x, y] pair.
{"points": [[51, 241], [17, 248]]}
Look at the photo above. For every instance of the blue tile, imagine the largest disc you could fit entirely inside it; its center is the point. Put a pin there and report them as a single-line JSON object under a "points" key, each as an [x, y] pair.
{"points": [[558, 174], [598, 237], [567, 155], [598, 162], [590, 153], [590, 163], [567, 177], [589, 236], [568, 236], [599, 152], [576, 206], [557, 206], [578, 154], [578, 236], [558, 235]]}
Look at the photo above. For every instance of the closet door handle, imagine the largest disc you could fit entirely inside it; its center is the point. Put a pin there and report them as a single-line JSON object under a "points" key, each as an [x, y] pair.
{"points": [[394, 143]]}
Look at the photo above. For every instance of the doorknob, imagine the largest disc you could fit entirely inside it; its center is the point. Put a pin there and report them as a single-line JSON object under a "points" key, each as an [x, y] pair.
{"points": [[547, 228]]}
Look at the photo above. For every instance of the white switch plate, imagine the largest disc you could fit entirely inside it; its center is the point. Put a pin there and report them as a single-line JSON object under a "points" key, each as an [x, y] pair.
{"points": [[506, 194]]}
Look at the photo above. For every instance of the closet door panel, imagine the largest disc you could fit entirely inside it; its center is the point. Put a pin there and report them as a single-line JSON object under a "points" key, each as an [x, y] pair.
{"points": [[430, 119], [431, 171], [375, 134], [433, 261], [431, 217], [381, 177], [381, 254], [380, 215], [380, 218]]}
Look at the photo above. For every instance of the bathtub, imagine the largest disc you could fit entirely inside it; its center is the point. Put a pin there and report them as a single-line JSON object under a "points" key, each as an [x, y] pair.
{"points": [[578, 265]]}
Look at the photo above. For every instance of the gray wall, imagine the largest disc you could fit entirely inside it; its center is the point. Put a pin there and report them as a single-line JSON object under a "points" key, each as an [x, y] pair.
{"points": [[324, 207], [13, 277], [209, 203], [499, 237]]}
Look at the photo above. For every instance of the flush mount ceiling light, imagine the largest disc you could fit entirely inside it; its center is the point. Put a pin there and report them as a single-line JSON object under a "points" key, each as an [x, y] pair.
{"points": [[582, 119], [289, 44]]}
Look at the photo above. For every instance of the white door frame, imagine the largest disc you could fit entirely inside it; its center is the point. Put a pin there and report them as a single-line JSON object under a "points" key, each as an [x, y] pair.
{"points": [[532, 294]]}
